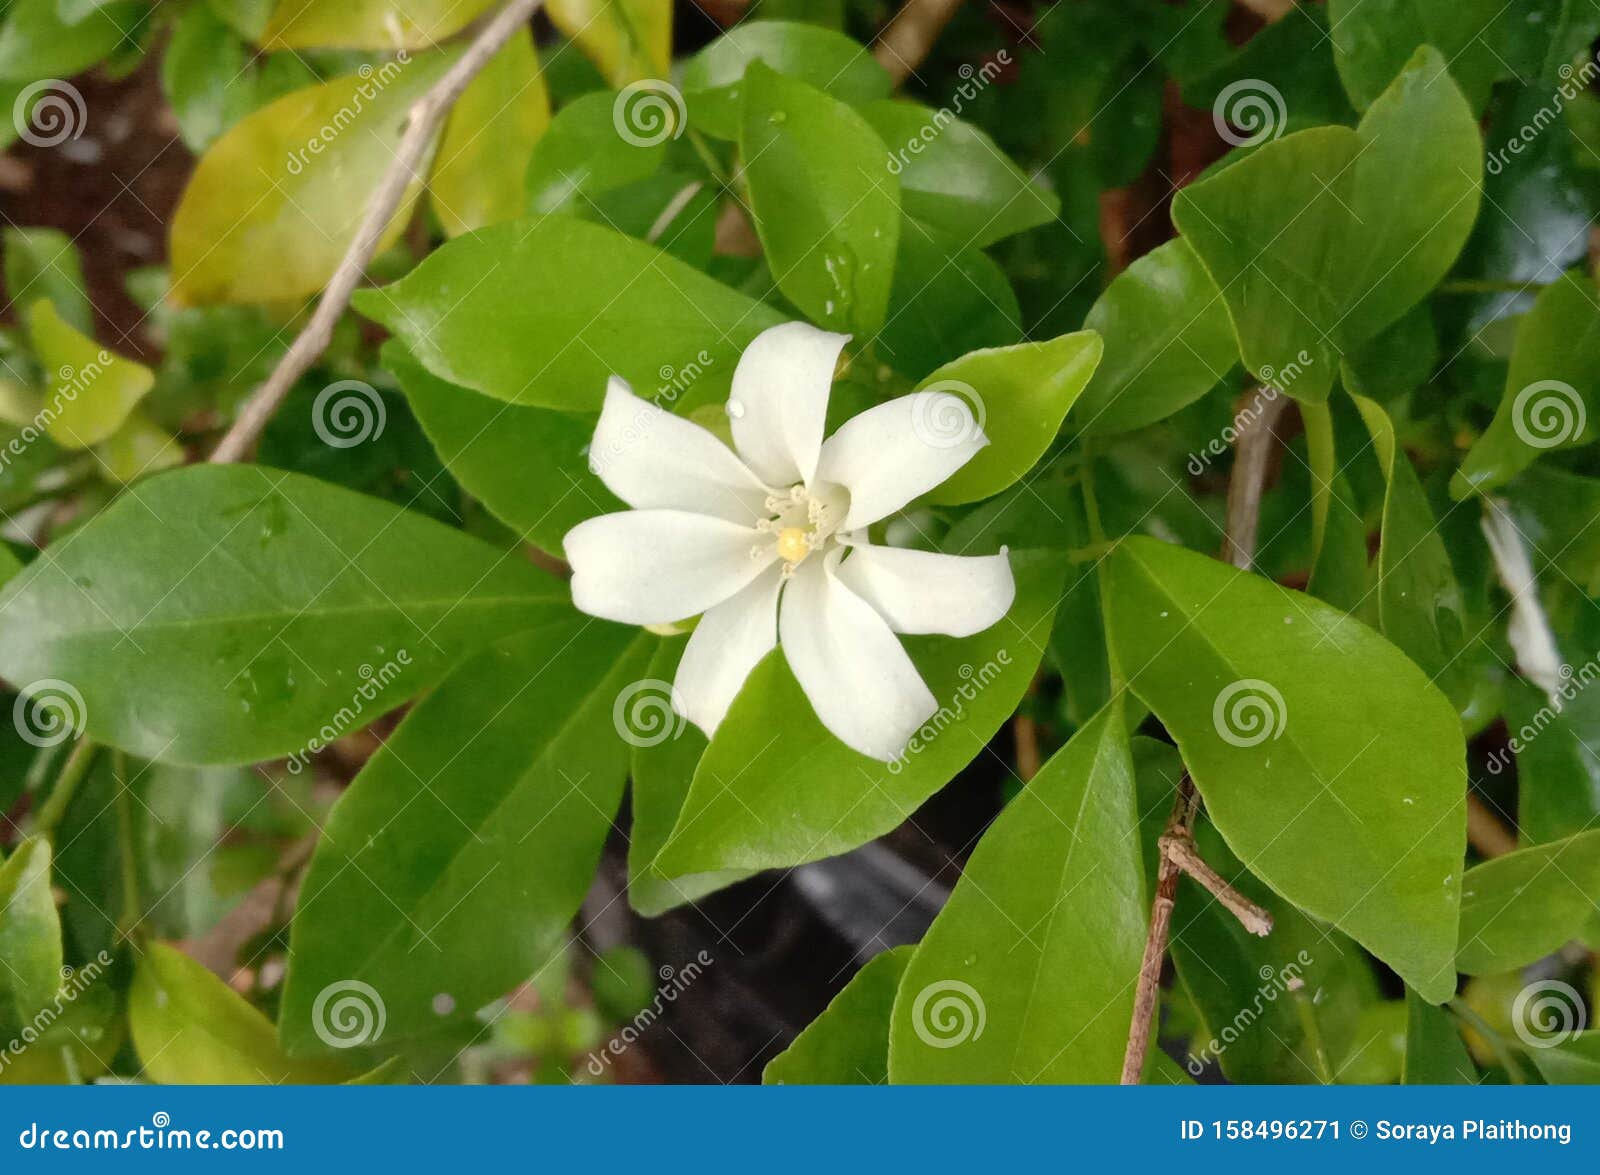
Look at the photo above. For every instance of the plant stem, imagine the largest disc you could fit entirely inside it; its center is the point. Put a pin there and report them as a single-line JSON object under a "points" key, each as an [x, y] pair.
{"points": [[1483, 1028], [73, 773], [426, 118], [906, 40], [1490, 287]]}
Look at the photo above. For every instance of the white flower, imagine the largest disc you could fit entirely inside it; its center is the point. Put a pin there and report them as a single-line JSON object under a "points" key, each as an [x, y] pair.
{"points": [[728, 535]]}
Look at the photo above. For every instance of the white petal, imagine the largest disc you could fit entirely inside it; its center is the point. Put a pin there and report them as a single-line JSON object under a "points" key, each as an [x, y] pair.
{"points": [[859, 680], [730, 639], [780, 400], [923, 592], [892, 453], [657, 566], [652, 459]]}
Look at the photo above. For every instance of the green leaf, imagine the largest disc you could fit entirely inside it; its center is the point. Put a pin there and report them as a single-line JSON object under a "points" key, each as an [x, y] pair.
{"points": [[849, 1043], [1558, 516], [776, 789], [485, 443], [583, 156], [827, 60], [1420, 607], [826, 205], [628, 40], [190, 1028], [1018, 396], [954, 177], [1028, 973], [275, 202], [36, 42], [1552, 396], [488, 806], [368, 24], [206, 76], [541, 312], [228, 614], [946, 300], [1558, 776], [1321, 239], [1328, 761], [30, 933], [138, 447], [91, 391], [1168, 339], [482, 160], [1435, 1054], [247, 17], [1575, 1061], [44, 263], [666, 751], [1518, 908]]}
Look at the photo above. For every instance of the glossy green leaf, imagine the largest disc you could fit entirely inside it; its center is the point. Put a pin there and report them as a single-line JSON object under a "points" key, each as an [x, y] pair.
{"points": [[826, 204], [1552, 396], [1321, 239], [1558, 517], [1028, 973], [90, 390], [485, 444], [1520, 907], [626, 39], [776, 789], [35, 42], [946, 301], [830, 61], [583, 155], [500, 312], [1168, 340], [368, 24], [1558, 775], [849, 1043], [488, 806], [955, 177], [190, 1028], [1332, 767], [482, 160], [30, 933], [275, 202], [1434, 1052], [1018, 396], [1575, 1061], [227, 614], [44, 263], [1420, 607], [666, 751]]}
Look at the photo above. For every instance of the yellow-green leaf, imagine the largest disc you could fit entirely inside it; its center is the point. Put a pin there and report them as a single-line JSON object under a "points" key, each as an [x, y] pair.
{"points": [[478, 172], [368, 24], [91, 391], [139, 447], [277, 200], [628, 40]]}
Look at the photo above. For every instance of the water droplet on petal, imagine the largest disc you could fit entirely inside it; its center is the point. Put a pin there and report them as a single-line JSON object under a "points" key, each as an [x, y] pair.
{"points": [[735, 409]]}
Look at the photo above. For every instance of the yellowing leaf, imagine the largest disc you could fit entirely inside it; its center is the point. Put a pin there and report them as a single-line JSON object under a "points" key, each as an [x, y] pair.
{"points": [[91, 391], [139, 447], [627, 39], [368, 24], [478, 172], [277, 200]]}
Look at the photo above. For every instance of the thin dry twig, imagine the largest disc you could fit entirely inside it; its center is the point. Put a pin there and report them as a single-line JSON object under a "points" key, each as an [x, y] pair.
{"points": [[1253, 444], [426, 118], [907, 39], [1485, 832]]}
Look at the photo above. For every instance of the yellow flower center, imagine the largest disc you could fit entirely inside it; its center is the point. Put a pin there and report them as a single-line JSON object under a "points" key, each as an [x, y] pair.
{"points": [[793, 544]]}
